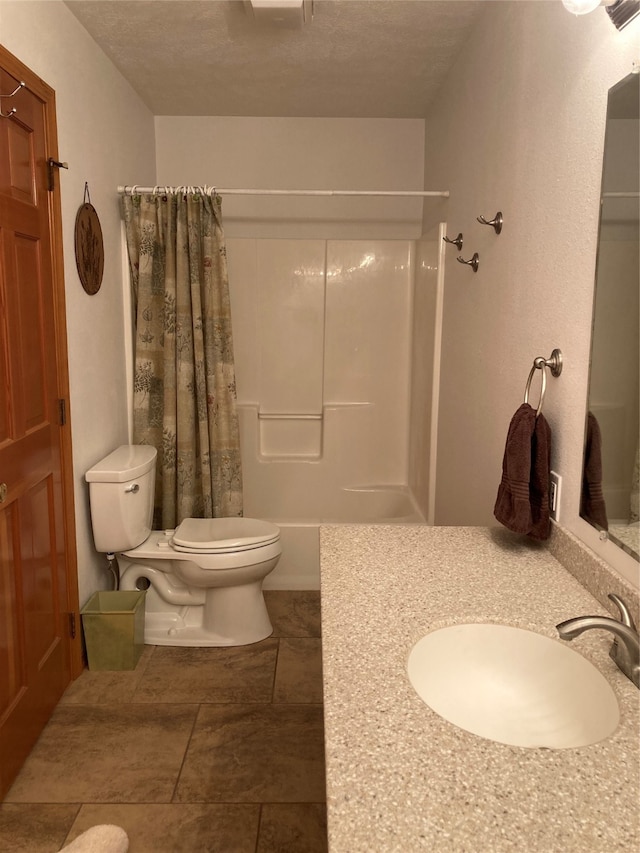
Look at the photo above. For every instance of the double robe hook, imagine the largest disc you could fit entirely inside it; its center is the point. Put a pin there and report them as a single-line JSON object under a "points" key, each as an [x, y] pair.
{"points": [[495, 223], [474, 262], [457, 241], [11, 112]]}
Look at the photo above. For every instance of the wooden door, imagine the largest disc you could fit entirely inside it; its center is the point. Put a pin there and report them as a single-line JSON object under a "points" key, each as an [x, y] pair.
{"points": [[38, 584]]}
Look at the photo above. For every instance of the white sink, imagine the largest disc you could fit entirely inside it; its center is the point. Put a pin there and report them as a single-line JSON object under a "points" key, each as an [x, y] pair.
{"points": [[513, 686]]}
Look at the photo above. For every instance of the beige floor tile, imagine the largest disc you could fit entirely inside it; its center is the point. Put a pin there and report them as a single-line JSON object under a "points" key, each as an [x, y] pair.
{"points": [[177, 828], [238, 674], [122, 753], [294, 613], [255, 753], [293, 828], [106, 688], [34, 828], [299, 670]]}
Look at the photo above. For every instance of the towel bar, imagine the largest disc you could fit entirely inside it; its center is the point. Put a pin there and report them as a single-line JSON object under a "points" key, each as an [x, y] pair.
{"points": [[554, 363]]}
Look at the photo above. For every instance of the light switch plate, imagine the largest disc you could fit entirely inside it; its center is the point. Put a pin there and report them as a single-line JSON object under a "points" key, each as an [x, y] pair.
{"points": [[554, 495]]}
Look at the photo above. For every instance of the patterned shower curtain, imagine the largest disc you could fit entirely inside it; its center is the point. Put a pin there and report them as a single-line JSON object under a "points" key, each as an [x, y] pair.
{"points": [[184, 381]]}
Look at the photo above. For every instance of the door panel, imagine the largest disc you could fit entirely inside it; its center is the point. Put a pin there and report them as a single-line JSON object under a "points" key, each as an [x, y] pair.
{"points": [[20, 162], [5, 414], [31, 336], [37, 587], [10, 648]]}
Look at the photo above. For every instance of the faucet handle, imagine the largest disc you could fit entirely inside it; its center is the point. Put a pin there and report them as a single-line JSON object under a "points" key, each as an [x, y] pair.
{"points": [[616, 652], [625, 616]]}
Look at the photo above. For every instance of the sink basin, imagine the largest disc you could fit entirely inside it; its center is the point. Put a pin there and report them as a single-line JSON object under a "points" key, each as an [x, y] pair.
{"points": [[513, 686]]}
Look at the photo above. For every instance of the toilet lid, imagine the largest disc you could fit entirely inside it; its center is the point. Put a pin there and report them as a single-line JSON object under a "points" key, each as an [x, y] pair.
{"points": [[220, 535]]}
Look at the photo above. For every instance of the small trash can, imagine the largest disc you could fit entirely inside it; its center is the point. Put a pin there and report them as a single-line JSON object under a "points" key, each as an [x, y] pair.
{"points": [[113, 624]]}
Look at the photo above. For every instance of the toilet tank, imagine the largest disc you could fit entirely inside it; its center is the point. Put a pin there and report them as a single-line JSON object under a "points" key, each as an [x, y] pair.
{"points": [[121, 489]]}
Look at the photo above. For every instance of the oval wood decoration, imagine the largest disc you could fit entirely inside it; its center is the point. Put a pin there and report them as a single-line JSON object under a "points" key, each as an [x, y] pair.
{"points": [[89, 248]]}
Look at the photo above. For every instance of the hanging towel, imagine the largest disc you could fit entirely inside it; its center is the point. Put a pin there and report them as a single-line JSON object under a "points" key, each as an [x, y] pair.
{"points": [[540, 480], [592, 505], [522, 504]]}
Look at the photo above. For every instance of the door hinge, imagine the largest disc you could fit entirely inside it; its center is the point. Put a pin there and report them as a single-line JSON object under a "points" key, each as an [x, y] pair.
{"points": [[62, 412], [72, 625], [51, 165]]}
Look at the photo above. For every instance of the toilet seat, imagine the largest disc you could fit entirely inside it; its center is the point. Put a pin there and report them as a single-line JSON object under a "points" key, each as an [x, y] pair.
{"points": [[223, 535], [159, 549]]}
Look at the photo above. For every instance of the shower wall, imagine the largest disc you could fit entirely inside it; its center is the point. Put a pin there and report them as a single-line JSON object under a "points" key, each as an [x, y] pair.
{"points": [[428, 301], [322, 339], [322, 292]]}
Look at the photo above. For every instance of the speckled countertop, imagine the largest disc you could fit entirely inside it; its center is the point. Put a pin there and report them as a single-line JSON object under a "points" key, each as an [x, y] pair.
{"points": [[400, 778]]}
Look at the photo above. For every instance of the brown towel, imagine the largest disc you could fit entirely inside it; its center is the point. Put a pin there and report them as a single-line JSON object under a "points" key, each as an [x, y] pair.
{"points": [[540, 480], [592, 505], [522, 504]]}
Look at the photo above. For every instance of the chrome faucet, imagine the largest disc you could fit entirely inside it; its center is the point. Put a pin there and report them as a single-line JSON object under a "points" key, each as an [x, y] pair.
{"points": [[625, 650]]}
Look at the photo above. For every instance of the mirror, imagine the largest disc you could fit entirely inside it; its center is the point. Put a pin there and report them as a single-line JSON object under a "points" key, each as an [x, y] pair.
{"points": [[610, 487]]}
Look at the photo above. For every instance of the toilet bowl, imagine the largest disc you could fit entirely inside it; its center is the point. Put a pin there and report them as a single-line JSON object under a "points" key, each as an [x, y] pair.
{"points": [[203, 579]]}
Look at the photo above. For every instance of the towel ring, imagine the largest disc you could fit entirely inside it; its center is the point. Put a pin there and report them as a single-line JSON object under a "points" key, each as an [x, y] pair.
{"points": [[554, 363]]}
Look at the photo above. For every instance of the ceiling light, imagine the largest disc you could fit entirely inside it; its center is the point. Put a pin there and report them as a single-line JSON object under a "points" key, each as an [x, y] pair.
{"points": [[580, 7]]}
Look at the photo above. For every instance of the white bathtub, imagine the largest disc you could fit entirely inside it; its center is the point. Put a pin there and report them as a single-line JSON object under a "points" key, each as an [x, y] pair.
{"points": [[299, 565]]}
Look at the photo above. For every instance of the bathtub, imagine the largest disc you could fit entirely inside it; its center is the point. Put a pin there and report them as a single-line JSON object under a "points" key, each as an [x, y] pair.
{"points": [[299, 565], [301, 471]]}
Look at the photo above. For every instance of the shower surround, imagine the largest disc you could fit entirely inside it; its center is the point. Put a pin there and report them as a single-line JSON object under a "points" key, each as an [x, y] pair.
{"points": [[323, 333]]}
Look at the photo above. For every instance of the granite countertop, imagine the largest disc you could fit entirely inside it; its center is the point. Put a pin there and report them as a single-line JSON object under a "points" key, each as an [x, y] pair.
{"points": [[400, 778]]}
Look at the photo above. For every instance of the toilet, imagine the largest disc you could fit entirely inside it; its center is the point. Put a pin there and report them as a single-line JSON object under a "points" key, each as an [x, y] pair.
{"points": [[203, 579]]}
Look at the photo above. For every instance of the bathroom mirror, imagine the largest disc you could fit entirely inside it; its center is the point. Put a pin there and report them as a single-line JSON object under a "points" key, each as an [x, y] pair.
{"points": [[609, 499]]}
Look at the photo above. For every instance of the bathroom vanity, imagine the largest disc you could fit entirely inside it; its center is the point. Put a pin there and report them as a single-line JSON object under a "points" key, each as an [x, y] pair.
{"points": [[402, 779]]}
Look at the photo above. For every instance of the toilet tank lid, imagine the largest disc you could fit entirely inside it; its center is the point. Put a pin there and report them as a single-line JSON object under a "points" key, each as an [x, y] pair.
{"points": [[125, 463]]}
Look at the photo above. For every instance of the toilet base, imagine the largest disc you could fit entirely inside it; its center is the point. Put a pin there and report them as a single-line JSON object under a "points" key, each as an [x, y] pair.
{"points": [[230, 616]]}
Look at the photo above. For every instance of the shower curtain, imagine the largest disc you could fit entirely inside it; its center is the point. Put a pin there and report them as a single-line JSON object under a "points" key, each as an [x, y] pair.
{"points": [[184, 377]]}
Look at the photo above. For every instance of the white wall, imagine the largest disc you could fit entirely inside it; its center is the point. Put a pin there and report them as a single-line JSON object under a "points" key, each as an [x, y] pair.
{"points": [[300, 153], [107, 136], [519, 127]]}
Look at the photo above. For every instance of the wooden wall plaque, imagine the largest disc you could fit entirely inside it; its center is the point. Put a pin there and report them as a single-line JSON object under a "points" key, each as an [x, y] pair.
{"points": [[89, 248]]}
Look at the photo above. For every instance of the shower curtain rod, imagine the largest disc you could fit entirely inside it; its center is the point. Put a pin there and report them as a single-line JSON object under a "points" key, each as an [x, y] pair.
{"points": [[160, 189]]}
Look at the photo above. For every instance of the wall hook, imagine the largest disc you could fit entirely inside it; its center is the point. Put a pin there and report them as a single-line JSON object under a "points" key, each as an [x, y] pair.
{"points": [[474, 263], [457, 241], [496, 222], [11, 112]]}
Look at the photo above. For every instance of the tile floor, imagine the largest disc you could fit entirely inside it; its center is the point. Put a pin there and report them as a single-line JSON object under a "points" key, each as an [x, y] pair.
{"points": [[198, 750]]}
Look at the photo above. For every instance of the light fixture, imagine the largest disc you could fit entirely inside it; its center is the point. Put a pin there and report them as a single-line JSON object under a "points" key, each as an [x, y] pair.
{"points": [[621, 12], [580, 7]]}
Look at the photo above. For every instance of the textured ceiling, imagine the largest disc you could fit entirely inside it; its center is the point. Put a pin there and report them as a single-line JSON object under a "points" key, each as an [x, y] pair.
{"points": [[355, 58]]}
